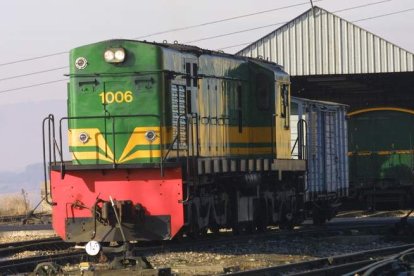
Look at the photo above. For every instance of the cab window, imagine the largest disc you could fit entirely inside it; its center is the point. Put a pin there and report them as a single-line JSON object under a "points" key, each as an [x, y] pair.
{"points": [[284, 104], [263, 87]]}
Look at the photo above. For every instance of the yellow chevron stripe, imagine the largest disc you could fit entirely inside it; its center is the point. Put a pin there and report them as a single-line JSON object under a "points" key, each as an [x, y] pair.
{"points": [[143, 154], [96, 139], [137, 139]]}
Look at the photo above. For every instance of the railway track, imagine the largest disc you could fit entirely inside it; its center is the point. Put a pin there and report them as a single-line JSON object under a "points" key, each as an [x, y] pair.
{"points": [[54, 243], [69, 255], [30, 218], [349, 264]]}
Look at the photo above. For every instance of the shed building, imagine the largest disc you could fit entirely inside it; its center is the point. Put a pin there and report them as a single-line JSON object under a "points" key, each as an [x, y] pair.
{"points": [[332, 59]]}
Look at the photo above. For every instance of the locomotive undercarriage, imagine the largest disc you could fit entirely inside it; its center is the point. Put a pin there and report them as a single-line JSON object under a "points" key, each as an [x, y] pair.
{"points": [[244, 202]]}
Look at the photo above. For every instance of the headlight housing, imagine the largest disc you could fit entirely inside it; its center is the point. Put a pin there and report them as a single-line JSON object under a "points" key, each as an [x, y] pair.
{"points": [[150, 135], [115, 55]]}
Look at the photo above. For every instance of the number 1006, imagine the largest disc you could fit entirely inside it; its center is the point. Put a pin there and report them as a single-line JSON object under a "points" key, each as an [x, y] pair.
{"points": [[110, 97]]}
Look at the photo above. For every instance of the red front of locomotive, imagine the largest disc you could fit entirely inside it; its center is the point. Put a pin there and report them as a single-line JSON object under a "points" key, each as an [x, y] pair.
{"points": [[117, 205]]}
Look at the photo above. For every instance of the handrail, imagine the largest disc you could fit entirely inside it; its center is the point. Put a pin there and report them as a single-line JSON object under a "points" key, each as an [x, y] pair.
{"points": [[51, 149], [56, 154], [294, 146], [301, 124], [196, 153], [170, 147], [190, 138], [106, 117], [272, 122], [179, 132]]}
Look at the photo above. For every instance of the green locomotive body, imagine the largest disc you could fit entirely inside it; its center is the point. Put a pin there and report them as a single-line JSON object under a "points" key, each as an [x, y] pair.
{"points": [[114, 106]]}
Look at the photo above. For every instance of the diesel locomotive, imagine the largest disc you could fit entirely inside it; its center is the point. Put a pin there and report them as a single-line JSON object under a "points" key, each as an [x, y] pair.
{"points": [[168, 139]]}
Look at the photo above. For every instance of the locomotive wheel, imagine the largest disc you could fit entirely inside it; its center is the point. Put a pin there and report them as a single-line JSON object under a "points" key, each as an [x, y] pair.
{"points": [[235, 231], [215, 229], [318, 218], [286, 225], [249, 228], [262, 217], [244, 228], [193, 229]]}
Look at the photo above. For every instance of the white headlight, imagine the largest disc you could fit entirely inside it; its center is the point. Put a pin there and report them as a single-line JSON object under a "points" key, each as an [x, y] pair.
{"points": [[115, 55], [120, 55], [109, 56]]}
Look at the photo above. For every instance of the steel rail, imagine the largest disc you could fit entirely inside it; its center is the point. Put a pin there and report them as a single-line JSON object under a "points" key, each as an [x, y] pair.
{"points": [[335, 265], [304, 231], [40, 244], [24, 265], [144, 248]]}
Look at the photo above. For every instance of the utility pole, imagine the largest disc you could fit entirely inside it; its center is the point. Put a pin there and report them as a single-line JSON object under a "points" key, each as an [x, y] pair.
{"points": [[313, 10]]}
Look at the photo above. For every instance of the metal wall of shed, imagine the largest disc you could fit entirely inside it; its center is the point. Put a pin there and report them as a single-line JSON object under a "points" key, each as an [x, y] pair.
{"points": [[319, 42]]}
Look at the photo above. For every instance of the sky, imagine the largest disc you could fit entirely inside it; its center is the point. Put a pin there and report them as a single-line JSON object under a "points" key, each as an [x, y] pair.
{"points": [[31, 29]]}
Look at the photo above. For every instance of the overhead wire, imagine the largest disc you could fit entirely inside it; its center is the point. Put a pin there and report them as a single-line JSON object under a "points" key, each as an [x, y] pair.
{"points": [[33, 58], [354, 21], [227, 19], [217, 36], [33, 73], [30, 86], [212, 37], [383, 15], [281, 23], [174, 30]]}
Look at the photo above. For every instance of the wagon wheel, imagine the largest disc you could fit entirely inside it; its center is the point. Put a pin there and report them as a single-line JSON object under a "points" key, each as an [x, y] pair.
{"points": [[193, 228], [318, 216], [285, 223], [262, 219]]}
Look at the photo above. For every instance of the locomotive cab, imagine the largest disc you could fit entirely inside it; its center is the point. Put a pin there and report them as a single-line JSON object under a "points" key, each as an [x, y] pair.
{"points": [[114, 104]]}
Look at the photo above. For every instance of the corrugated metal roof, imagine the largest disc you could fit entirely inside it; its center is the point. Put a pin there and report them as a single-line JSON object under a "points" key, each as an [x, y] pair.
{"points": [[319, 42]]}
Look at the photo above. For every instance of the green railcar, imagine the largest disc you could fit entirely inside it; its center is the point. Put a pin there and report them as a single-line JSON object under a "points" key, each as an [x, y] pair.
{"points": [[381, 156]]}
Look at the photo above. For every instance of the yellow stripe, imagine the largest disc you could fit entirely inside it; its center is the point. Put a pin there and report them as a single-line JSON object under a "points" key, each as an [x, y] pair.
{"points": [[249, 151], [220, 140], [96, 139], [90, 155], [138, 139], [381, 152], [381, 109], [143, 154]]}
